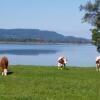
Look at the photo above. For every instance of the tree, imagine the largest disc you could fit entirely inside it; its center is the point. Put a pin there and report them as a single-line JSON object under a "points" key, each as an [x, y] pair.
{"points": [[92, 16]]}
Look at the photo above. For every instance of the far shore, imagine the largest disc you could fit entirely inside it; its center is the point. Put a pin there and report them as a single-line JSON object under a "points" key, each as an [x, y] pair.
{"points": [[39, 43]]}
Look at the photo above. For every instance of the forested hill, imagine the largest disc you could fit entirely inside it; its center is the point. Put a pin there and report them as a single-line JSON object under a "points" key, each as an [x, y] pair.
{"points": [[36, 35]]}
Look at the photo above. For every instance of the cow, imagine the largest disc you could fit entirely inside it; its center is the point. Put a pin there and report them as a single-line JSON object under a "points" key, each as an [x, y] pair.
{"points": [[61, 62], [4, 65], [98, 63]]}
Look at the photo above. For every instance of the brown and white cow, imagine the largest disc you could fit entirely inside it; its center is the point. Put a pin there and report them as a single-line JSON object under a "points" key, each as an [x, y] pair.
{"points": [[61, 62], [98, 63], [4, 65]]}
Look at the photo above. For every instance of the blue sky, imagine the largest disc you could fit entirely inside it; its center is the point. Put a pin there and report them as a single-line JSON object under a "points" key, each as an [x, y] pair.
{"points": [[62, 16]]}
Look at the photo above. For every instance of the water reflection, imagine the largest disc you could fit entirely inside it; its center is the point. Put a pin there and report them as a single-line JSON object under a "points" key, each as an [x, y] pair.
{"points": [[27, 52], [77, 55]]}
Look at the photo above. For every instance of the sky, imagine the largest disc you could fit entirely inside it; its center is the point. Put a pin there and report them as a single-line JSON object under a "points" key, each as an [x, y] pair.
{"points": [[62, 16]]}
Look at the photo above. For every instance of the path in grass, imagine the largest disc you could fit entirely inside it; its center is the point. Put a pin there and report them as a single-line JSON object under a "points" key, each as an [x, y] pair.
{"points": [[49, 83]]}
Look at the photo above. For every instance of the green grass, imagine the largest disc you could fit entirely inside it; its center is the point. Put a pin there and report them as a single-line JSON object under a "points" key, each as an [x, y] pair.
{"points": [[49, 83]]}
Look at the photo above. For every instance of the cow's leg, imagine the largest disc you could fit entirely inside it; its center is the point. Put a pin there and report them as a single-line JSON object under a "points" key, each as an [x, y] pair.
{"points": [[2, 73], [59, 65], [62, 66], [97, 67], [5, 72]]}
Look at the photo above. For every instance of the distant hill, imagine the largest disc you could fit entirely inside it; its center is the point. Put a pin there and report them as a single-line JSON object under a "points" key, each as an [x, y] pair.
{"points": [[36, 35]]}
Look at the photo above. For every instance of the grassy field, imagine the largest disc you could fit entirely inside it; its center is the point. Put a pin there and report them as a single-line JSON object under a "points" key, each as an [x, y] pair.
{"points": [[49, 83]]}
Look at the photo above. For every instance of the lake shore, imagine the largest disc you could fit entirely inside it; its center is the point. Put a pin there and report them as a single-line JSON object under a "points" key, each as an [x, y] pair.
{"points": [[40, 43]]}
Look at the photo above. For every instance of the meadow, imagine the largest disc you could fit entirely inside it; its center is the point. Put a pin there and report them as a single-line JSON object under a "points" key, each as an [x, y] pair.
{"points": [[49, 83]]}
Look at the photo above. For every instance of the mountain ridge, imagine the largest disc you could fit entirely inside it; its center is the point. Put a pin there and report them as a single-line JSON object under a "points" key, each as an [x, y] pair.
{"points": [[37, 35]]}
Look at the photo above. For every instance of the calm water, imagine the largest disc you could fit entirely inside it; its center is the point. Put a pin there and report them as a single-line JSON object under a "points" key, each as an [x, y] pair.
{"points": [[78, 55]]}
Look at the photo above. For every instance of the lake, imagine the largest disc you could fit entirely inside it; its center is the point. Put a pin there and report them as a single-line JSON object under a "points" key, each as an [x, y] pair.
{"points": [[47, 55]]}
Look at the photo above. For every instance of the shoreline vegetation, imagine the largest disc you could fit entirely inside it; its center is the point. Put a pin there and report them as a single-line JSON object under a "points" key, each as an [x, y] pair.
{"points": [[51, 43], [26, 82]]}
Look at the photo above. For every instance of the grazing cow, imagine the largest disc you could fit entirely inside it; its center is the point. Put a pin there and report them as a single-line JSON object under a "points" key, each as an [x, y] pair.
{"points": [[4, 65], [98, 63], [61, 62]]}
